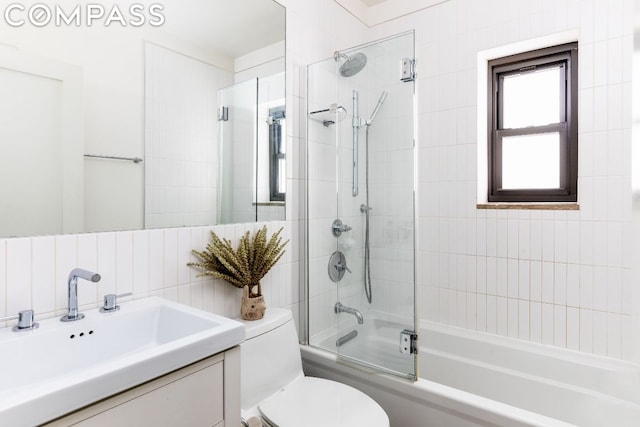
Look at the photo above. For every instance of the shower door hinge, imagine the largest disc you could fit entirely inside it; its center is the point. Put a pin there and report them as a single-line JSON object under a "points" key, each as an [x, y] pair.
{"points": [[223, 114], [408, 73], [408, 342]]}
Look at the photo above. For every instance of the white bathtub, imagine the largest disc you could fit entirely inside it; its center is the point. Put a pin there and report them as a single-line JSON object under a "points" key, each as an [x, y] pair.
{"points": [[469, 379]]}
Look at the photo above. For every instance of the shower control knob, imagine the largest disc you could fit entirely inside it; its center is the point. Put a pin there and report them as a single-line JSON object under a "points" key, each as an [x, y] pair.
{"points": [[337, 228], [337, 266], [342, 267]]}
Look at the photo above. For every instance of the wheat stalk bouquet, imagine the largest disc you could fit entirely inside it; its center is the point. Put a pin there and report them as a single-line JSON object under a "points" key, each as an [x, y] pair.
{"points": [[244, 266]]}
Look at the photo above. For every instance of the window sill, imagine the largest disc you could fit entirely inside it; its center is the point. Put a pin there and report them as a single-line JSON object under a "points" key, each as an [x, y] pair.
{"points": [[531, 206], [268, 204]]}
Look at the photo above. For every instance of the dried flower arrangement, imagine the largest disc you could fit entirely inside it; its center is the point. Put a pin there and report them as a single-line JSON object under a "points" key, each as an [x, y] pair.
{"points": [[243, 267]]}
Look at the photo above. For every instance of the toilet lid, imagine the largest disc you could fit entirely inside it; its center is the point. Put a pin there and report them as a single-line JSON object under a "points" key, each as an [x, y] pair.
{"points": [[316, 402]]}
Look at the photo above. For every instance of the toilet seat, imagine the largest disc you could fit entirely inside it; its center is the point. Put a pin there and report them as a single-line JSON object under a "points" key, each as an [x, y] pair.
{"points": [[317, 402]]}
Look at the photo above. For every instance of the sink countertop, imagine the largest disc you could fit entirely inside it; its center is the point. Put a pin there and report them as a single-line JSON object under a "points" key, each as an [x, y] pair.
{"points": [[61, 367]]}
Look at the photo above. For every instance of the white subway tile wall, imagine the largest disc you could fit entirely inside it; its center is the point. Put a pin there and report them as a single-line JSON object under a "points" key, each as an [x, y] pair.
{"points": [[560, 278], [181, 185], [34, 271]]}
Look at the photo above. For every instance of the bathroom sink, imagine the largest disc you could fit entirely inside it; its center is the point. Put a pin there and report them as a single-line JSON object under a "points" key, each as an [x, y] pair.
{"points": [[61, 367]]}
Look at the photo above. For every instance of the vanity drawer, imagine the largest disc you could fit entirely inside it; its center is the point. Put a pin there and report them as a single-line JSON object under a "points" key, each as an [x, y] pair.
{"points": [[192, 396]]}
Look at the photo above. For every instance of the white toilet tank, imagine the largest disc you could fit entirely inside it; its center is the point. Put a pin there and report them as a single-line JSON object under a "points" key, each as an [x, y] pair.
{"points": [[270, 356]]}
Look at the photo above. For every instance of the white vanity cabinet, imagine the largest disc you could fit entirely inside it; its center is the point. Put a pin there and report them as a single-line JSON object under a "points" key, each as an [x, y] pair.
{"points": [[205, 393]]}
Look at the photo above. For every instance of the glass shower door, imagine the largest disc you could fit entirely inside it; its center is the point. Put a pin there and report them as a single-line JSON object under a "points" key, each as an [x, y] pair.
{"points": [[237, 118], [376, 320]]}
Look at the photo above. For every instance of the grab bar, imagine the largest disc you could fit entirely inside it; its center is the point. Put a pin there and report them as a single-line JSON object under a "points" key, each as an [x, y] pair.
{"points": [[129, 159], [346, 338]]}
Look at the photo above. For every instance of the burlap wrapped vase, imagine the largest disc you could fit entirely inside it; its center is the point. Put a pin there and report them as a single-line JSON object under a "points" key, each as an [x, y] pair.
{"points": [[252, 308]]}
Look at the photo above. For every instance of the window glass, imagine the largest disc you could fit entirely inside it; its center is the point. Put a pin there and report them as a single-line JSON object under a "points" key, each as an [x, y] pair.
{"points": [[531, 161], [277, 168], [282, 178], [532, 98]]}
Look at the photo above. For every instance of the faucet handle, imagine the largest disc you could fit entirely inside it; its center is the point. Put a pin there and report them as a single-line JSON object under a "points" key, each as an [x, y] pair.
{"points": [[338, 227], [111, 302], [342, 267], [25, 321]]}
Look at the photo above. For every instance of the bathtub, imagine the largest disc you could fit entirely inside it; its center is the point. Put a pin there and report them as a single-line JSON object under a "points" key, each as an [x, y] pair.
{"points": [[476, 379]]}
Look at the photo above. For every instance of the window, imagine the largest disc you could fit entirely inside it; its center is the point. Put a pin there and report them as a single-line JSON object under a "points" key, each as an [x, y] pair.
{"points": [[533, 126], [277, 168]]}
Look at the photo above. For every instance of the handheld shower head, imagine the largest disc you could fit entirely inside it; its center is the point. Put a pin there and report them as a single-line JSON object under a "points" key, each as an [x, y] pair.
{"points": [[383, 97], [352, 65]]}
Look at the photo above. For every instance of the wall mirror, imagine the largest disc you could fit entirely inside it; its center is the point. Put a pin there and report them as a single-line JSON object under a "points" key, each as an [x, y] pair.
{"points": [[122, 125]]}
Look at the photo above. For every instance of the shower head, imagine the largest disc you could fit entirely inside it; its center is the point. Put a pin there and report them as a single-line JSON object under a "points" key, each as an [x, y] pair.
{"points": [[383, 97], [352, 65]]}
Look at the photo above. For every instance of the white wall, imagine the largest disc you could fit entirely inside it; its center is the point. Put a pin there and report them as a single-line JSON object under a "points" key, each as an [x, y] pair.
{"points": [[261, 63], [635, 178], [560, 278], [112, 114], [112, 63], [322, 170], [30, 156], [327, 161]]}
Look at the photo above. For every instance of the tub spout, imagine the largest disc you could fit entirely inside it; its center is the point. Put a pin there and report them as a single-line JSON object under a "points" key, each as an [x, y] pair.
{"points": [[339, 308]]}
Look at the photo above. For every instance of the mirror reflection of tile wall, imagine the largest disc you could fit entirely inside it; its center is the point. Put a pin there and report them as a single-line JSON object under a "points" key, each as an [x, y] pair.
{"points": [[181, 179]]}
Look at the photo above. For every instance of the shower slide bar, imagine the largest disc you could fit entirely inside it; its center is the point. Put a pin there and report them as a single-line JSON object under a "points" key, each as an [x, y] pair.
{"points": [[128, 159], [356, 124]]}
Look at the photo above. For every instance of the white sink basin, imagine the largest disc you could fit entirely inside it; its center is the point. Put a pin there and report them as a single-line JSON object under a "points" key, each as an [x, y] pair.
{"points": [[61, 367]]}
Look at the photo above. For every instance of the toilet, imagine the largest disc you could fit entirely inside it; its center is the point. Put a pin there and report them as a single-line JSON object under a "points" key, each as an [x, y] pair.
{"points": [[274, 388]]}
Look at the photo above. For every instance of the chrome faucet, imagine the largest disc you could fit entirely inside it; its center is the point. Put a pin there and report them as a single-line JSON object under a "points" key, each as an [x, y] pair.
{"points": [[339, 308], [72, 310]]}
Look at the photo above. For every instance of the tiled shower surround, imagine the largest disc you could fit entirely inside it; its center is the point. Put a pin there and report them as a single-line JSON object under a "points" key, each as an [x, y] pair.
{"points": [[561, 278], [557, 277]]}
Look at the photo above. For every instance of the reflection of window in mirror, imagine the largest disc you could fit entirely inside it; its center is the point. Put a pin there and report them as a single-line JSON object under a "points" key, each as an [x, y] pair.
{"points": [[277, 169]]}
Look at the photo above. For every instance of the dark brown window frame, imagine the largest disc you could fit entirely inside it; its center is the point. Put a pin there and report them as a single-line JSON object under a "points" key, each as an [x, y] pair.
{"points": [[567, 56]]}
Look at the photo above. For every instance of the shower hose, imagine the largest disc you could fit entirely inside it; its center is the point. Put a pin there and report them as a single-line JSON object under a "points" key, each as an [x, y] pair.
{"points": [[367, 263]]}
